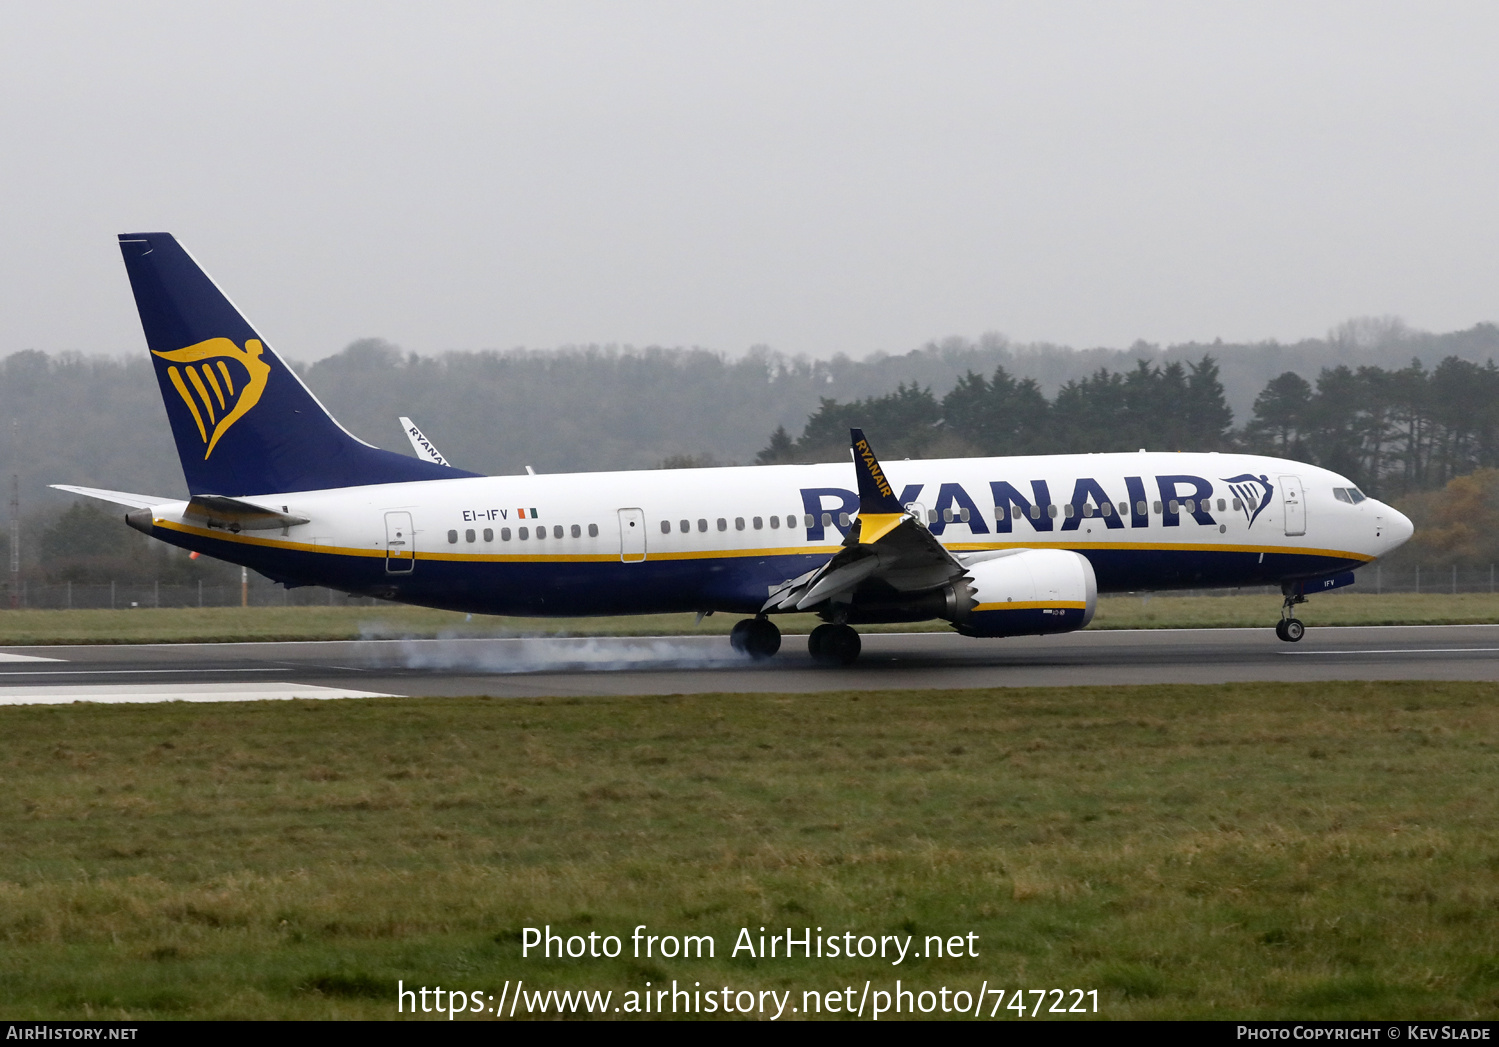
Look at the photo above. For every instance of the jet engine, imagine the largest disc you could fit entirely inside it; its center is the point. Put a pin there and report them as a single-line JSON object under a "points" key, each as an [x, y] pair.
{"points": [[1027, 593]]}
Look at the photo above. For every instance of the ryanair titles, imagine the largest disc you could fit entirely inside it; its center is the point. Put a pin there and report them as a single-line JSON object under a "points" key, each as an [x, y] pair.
{"points": [[1169, 497]]}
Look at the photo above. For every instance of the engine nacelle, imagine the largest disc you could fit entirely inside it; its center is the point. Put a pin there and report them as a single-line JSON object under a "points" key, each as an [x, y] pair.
{"points": [[1028, 593]]}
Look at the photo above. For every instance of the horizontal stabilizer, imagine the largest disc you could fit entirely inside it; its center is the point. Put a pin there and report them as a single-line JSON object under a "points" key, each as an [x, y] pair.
{"points": [[236, 514], [134, 501]]}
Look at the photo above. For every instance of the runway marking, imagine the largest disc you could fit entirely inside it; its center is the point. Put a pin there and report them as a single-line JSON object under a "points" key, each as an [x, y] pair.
{"points": [[1413, 650], [27, 658], [130, 672], [182, 692]]}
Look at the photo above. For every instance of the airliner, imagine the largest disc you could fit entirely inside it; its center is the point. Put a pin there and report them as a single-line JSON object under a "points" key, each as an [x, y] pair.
{"points": [[997, 547]]}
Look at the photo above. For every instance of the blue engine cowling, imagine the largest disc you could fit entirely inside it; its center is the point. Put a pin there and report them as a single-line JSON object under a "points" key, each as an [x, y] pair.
{"points": [[1028, 593]]}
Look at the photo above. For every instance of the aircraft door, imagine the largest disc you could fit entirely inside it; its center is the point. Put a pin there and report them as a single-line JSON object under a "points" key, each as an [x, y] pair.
{"points": [[400, 544], [632, 535], [1293, 504]]}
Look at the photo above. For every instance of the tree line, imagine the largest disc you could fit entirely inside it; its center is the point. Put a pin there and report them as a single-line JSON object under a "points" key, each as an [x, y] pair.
{"points": [[1391, 432]]}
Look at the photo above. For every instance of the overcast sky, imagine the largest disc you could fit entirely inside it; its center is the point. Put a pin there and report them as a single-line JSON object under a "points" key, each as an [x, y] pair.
{"points": [[817, 177]]}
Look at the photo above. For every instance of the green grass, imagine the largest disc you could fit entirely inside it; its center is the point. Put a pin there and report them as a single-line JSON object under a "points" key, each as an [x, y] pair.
{"points": [[215, 624], [1226, 851]]}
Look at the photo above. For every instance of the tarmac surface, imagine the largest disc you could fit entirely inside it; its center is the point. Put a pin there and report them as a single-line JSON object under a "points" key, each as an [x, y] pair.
{"points": [[539, 667]]}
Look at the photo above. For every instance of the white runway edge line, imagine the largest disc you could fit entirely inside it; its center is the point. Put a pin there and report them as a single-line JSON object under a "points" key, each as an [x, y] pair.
{"points": [[180, 692], [27, 658]]}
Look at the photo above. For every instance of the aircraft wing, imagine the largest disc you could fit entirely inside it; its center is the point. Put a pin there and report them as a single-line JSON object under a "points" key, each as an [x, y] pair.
{"points": [[886, 544], [134, 501]]}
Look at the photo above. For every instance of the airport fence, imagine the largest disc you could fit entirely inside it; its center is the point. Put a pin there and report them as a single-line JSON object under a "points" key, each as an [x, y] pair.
{"points": [[123, 595]]}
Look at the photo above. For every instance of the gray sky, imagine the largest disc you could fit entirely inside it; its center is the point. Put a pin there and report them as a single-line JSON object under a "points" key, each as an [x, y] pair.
{"points": [[818, 177]]}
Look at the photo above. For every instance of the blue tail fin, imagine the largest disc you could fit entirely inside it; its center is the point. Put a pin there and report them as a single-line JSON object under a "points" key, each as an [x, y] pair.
{"points": [[244, 422]]}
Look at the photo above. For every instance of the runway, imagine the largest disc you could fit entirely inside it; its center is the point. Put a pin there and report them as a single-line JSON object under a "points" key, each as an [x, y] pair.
{"points": [[541, 667]]}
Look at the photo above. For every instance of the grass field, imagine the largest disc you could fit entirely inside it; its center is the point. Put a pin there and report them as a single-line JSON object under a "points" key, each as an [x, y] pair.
{"points": [[1197, 851], [182, 625]]}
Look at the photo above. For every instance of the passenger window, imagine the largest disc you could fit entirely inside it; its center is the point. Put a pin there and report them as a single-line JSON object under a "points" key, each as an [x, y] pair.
{"points": [[827, 519], [963, 515], [791, 521], [557, 531], [738, 523], [685, 526], [758, 522], [489, 534], [452, 537], [931, 516], [504, 534], [666, 527], [843, 520], [523, 534], [947, 516], [1035, 512], [577, 531], [1221, 505], [1238, 504], [1156, 507], [1190, 505], [1069, 510], [1051, 511], [702, 525], [1174, 507], [999, 512], [1106, 509], [541, 532], [1124, 508], [723, 525], [775, 522], [469, 536], [593, 530]]}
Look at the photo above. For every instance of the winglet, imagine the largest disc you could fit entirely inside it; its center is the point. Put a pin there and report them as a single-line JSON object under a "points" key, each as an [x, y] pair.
{"points": [[875, 493], [880, 512]]}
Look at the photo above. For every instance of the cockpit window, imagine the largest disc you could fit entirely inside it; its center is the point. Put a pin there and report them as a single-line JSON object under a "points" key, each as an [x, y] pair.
{"points": [[1351, 495], [1356, 495]]}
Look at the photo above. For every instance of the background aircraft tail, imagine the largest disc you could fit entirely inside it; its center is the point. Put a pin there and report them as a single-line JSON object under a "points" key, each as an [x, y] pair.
{"points": [[243, 421]]}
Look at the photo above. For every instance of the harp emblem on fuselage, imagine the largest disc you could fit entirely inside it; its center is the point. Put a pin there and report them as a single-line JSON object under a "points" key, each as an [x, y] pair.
{"points": [[219, 383], [1253, 492]]}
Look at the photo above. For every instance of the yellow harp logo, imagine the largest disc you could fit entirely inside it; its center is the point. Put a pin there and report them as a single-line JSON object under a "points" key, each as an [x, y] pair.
{"points": [[228, 382]]}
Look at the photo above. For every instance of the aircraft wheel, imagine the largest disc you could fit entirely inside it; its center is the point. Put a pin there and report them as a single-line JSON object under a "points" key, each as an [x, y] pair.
{"points": [[757, 637], [1293, 630], [834, 644], [1280, 629]]}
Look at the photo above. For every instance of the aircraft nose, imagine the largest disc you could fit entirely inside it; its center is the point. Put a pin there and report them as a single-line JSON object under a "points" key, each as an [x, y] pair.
{"points": [[1398, 527]]}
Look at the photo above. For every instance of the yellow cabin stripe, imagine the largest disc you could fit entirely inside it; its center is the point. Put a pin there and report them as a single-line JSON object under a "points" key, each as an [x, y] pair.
{"points": [[717, 554]]}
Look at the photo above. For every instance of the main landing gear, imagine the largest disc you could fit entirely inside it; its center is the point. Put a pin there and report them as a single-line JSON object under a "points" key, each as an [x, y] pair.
{"points": [[834, 644], [829, 644], [757, 637], [1290, 628]]}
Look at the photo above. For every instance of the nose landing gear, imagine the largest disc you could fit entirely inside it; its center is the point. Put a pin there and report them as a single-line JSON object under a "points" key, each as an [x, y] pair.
{"points": [[757, 637], [1290, 628]]}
